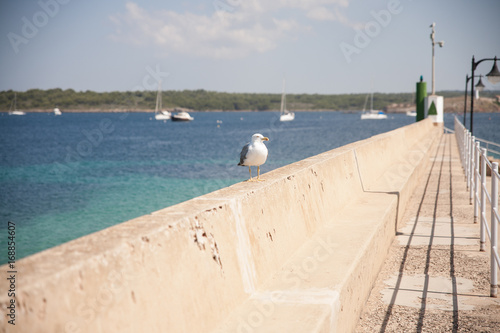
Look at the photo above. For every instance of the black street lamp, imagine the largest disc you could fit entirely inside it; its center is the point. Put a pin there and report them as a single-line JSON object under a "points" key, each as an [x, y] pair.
{"points": [[493, 76], [480, 86], [467, 79]]}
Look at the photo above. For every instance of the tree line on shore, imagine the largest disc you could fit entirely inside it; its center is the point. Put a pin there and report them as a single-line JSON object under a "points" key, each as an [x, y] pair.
{"points": [[200, 100]]}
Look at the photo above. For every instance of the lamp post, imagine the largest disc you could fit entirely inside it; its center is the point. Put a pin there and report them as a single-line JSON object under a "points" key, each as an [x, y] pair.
{"points": [[467, 79], [493, 76], [441, 43]]}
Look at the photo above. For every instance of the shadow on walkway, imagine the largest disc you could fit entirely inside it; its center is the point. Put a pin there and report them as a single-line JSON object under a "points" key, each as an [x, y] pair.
{"points": [[437, 166]]}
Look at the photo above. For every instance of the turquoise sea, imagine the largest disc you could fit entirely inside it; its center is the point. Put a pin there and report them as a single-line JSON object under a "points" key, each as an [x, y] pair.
{"points": [[66, 176]]}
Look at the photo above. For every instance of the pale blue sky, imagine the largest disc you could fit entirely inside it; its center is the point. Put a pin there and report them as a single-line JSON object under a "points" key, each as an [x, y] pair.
{"points": [[243, 45]]}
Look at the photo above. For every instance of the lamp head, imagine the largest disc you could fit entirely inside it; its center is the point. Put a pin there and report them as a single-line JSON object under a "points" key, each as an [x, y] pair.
{"points": [[494, 75], [480, 85], [441, 43]]}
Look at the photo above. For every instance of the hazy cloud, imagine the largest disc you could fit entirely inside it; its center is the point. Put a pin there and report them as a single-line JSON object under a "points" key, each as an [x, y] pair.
{"points": [[234, 28]]}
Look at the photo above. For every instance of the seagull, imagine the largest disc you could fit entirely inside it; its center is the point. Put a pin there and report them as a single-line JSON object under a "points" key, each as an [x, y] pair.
{"points": [[254, 153]]}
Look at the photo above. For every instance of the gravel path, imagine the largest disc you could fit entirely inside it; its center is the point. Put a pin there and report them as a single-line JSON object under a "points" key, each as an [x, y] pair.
{"points": [[434, 278]]}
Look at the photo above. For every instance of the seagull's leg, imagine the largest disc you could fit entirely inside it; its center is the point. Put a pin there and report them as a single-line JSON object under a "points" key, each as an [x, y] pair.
{"points": [[250, 171], [258, 174]]}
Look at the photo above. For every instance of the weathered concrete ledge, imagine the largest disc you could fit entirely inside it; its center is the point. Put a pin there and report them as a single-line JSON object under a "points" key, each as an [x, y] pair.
{"points": [[297, 253]]}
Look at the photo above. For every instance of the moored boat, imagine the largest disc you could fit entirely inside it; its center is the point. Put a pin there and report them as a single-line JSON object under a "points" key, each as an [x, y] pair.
{"points": [[159, 113], [14, 111], [285, 115], [181, 115]]}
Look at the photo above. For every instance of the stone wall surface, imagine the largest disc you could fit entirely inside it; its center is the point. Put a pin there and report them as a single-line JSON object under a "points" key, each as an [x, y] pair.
{"points": [[298, 252]]}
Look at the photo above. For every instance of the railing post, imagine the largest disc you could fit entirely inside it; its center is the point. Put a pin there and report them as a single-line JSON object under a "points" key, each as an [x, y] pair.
{"points": [[476, 180], [462, 160], [460, 141], [482, 233], [494, 229], [464, 152], [472, 167], [467, 159]]}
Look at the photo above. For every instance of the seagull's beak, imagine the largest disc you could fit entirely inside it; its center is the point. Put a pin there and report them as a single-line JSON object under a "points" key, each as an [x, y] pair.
{"points": [[265, 139]]}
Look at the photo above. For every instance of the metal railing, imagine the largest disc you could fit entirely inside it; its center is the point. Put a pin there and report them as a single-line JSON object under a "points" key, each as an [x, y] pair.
{"points": [[475, 162], [491, 151]]}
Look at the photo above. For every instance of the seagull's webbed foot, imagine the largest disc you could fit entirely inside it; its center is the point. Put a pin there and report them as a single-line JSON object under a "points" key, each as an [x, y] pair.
{"points": [[258, 175], [251, 179]]}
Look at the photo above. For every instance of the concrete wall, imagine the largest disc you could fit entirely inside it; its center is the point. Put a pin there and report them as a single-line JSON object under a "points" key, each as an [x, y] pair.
{"points": [[298, 252]]}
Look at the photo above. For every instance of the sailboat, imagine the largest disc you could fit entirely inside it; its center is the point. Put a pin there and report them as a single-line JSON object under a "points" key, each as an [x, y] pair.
{"points": [[57, 112], [159, 113], [372, 114], [285, 115], [15, 112]]}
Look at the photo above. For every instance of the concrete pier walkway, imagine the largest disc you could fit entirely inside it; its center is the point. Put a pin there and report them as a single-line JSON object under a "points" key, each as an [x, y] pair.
{"points": [[434, 278]]}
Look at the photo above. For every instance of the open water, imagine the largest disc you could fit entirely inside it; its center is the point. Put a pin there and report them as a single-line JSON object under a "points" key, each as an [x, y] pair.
{"points": [[67, 176]]}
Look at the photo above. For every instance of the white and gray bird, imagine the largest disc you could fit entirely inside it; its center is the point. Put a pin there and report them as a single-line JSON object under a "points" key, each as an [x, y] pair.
{"points": [[254, 153]]}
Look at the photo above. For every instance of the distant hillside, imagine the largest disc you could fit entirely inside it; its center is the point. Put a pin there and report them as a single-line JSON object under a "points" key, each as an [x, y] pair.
{"points": [[483, 104], [452, 105], [201, 100]]}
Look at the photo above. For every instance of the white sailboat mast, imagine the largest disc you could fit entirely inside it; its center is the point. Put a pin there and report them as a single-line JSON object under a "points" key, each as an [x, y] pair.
{"points": [[158, 98], [283, 97], [371, 103]]}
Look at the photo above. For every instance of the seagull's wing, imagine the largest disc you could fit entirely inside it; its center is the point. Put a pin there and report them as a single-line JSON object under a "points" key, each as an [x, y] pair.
{"points": [[243, 153]]}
